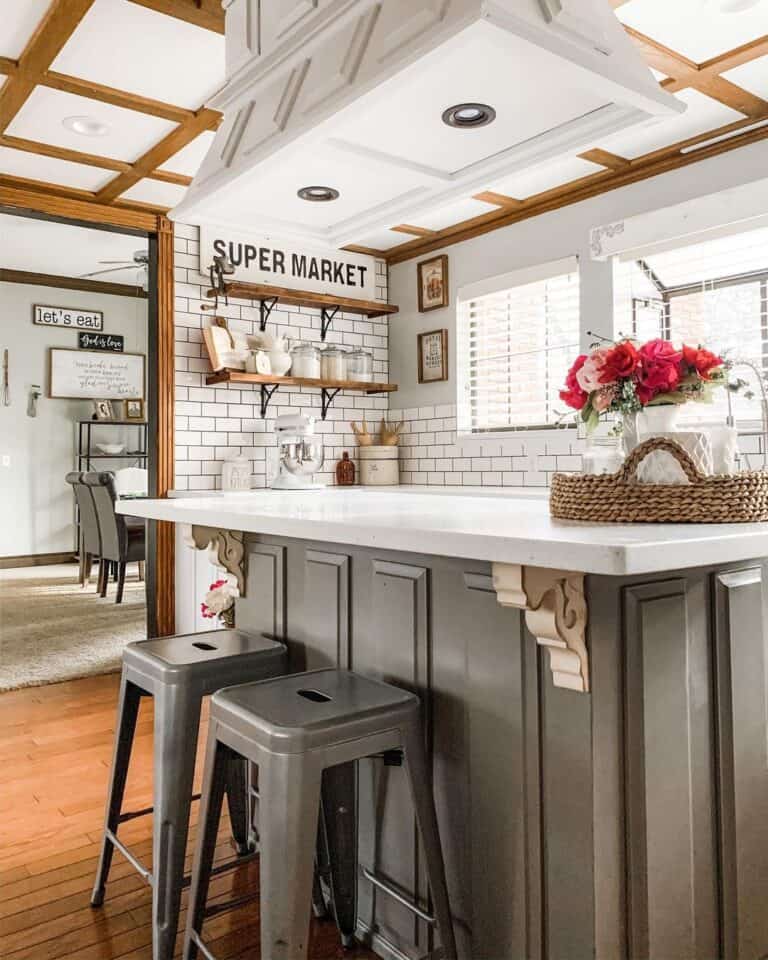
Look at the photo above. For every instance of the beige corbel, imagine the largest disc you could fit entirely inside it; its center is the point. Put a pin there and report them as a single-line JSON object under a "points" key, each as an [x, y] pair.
{"points": [[227, 547], [555, 613]]}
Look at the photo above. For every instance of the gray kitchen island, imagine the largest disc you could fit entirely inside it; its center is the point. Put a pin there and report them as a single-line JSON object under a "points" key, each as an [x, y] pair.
{"points": [[595, 700]]}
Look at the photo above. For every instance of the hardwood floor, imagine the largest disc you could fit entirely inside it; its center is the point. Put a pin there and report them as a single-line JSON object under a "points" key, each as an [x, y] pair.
{"points": [[55, 751]]}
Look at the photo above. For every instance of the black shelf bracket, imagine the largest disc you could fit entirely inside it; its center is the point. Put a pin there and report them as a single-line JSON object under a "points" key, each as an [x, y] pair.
{"points": [[328, 317], [328, 396], [267, 393], [266, 306]]}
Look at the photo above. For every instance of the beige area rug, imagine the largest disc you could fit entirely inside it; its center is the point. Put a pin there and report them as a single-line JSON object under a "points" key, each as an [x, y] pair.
{"points": [[51, 629]]}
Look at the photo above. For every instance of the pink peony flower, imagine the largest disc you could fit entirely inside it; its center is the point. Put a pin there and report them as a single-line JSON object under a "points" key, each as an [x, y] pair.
{"points": [[659, 370], [589, 375]]}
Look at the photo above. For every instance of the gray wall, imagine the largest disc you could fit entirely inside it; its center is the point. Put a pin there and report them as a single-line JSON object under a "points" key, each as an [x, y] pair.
{"points": [[548, 237]]}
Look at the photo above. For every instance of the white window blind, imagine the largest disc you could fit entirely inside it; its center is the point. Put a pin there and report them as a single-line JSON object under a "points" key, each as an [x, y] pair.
{"points": [[713, 293], [517, 336]]}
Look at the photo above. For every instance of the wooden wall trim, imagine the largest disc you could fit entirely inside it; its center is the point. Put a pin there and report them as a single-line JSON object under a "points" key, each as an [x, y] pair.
{"points": [[72, 283], [165, 594], [72, 209]]}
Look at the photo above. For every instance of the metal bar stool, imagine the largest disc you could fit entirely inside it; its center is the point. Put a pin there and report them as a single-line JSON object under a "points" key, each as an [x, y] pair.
{"points": [[293, 729], [178, 672]]}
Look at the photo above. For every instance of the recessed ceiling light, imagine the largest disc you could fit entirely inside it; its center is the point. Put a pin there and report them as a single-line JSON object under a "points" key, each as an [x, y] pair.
{"points": [[734, 6], [318, 194], [469, 115], [86, 126]]}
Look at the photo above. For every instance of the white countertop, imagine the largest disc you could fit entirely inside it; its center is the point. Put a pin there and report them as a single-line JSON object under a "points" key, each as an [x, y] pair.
{"points": [[506, 527]]}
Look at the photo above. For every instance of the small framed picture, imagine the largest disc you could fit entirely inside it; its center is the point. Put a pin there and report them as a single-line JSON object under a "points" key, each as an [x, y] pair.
{"points": [[103, 410], [134, 409], [433, 356], [433, 283]]}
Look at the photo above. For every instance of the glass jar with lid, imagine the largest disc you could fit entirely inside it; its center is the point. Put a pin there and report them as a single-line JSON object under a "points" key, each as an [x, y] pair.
{"points": [[333, 364], [360, 365], [603, 455], [305, 361]]}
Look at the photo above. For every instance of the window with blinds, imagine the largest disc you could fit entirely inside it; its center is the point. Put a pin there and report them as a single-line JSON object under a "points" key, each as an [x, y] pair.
{"points": [[517, 336], [714, 293]]}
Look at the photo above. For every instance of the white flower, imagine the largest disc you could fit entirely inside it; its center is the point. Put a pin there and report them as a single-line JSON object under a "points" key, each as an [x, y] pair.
{"points": [[221, 598]]}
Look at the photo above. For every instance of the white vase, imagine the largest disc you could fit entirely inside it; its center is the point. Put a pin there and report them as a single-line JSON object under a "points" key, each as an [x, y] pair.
{"points": [[660, 466], [653, 421]]}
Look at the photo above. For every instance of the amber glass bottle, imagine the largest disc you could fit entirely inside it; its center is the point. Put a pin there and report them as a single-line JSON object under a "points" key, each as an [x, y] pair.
{"points": [[345, 471]]}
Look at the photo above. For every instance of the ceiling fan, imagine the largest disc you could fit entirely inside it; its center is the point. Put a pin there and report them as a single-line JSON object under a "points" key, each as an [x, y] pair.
{"points": [[140, 262]]}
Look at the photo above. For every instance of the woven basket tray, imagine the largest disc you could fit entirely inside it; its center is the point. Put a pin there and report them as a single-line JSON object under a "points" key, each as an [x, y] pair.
{"points": [[620, 498]]}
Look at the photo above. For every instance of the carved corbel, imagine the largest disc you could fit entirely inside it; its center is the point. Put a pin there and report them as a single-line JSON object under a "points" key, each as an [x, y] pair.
{"points": [[555, 613], [227, 547]]}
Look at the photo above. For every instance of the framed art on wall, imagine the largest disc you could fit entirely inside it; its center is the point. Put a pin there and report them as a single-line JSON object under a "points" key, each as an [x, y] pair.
{"points": [[433, 283], [433, 356]]}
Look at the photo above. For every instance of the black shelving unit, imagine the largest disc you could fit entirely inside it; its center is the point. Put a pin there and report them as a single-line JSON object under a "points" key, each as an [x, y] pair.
{"points": [[86, 455]]}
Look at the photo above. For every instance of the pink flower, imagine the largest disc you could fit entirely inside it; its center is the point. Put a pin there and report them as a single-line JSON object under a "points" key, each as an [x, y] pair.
{"points": [[589, 376], [659, 370], [603, 398]]}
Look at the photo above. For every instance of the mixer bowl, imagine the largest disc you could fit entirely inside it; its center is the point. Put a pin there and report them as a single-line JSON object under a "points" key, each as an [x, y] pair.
{"points": [[302, 457]]}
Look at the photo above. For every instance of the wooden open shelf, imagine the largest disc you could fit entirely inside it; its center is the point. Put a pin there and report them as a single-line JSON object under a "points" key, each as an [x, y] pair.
{"points": [[238, 376], [304, 298]]}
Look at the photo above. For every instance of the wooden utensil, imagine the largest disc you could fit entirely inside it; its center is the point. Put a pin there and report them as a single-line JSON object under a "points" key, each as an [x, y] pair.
{"points": [[390, 433]]}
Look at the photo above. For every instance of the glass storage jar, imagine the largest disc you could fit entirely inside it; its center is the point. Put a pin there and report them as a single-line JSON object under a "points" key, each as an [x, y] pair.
{"points": [[305, 361], [359, 365], [333, 364]]}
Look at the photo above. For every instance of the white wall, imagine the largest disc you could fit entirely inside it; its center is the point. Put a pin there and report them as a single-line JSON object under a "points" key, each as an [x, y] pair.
{"points": [[550, 236], [36, 514]]}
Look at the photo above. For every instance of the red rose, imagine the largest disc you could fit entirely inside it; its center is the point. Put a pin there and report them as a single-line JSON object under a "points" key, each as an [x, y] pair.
{"points": [[621, 362], [701, 360], [659, 370], [573, 395]]}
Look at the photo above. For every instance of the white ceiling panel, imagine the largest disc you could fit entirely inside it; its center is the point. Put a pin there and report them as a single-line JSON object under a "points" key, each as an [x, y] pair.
{"points": [[545, 176], [17, 163], [696, 28], [157, 56], [41, 246], [451, 213], [413, 102], [20, 18], [703, 114], [382, 239], [130, 133], [155, 191], [189, 159], [753, 76]]}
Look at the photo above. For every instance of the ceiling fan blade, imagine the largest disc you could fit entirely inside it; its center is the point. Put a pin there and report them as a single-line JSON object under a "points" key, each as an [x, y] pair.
{"points": [[96, 273], [127, 263]]}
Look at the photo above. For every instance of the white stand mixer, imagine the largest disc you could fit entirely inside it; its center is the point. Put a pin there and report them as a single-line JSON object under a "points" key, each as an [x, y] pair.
{"points": [[300, 453]]}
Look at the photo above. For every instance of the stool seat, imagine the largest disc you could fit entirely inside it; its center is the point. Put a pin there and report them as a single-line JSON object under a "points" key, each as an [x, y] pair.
{"points": [[301, 712], [209, 660]]}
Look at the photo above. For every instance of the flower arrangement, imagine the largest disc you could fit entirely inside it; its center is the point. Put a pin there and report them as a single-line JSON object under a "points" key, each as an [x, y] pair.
{"points": [[622, 377], [220, 602]]}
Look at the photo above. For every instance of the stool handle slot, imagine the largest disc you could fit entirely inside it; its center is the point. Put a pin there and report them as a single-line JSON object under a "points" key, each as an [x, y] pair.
{"points": [[314, 695], [201, 645]]}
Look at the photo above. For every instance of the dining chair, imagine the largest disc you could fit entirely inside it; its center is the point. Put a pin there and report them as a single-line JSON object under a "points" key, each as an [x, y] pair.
{"points": [[121, 542], [89, 535]]}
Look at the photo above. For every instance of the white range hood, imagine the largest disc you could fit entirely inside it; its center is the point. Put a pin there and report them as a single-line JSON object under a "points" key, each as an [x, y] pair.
{"points": [[350, 94]]}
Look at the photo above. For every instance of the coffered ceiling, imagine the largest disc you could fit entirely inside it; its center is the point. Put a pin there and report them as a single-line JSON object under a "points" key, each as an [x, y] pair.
{"points": [[141, 71]]}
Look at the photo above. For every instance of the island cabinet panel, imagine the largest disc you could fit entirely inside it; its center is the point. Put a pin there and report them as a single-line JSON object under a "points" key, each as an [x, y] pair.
{"points": [[266, 590], [742, 722]]}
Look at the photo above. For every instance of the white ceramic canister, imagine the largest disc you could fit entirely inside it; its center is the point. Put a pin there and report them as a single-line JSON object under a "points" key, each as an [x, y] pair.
{"points": [[379, 466], [236, 474]]}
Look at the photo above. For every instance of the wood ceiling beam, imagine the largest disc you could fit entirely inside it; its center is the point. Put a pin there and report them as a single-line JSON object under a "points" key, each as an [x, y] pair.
{"points": [[604, 158], [29, 200], [8, 66], [413, 231], [651, 165], [118, 98], [683, 73], [735, 58], [201, 13], [53, 31], [497, 199], [71, 283], [43, 186], [159, 154]]}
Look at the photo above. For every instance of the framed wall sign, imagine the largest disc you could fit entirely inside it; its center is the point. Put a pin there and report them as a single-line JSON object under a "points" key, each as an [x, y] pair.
{"points": [[433, 283], [112, 342], [433, 356], [71, 317], [86, 375]]}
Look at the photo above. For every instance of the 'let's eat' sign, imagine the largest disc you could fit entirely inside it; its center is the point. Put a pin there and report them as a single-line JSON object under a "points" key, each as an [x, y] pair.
{"points": [[67, 317]]}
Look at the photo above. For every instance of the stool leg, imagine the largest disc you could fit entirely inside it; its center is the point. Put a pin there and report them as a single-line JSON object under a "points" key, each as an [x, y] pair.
{"points": [[218, 761], [289, 788], [125, 728], [420, 777], [177, 717], [339, 824], [237, 802]]}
